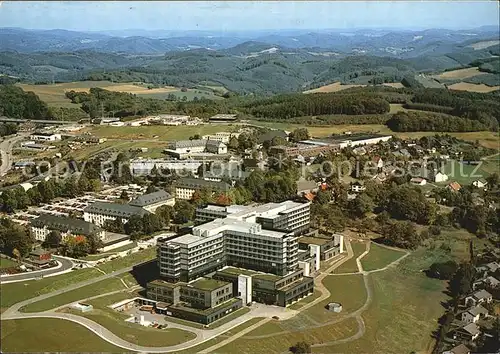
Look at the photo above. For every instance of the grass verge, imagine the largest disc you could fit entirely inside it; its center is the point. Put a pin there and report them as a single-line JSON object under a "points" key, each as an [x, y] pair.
{"points": [[350, 265]]}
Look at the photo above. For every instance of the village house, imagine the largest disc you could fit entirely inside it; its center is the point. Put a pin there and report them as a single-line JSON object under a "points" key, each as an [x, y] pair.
{"points": [[479, 297], [474, 314], [479, 183], [357, 187], [454, 186], [418, 181], [468, 332]]}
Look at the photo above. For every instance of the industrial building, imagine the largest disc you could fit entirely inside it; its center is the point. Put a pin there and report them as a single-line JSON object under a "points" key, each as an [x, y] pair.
{"points": [[184, 148]]}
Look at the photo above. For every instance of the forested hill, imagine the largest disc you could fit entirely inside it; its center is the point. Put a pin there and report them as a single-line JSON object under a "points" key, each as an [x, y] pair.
{"points": [[251, 67]]}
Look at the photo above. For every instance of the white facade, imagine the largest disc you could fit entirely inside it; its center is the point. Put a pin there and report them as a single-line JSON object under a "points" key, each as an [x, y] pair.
{"points": [[357, 188], [245, 288], [369, 141], [184, 193], [440, 177], [40, 233], [100, 219], [146, 165], [479, 184], [45, 137], [222, 137]]}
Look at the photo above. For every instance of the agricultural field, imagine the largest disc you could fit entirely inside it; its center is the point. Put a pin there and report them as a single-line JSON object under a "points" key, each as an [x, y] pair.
{"points": [[335, 87], [483, 44], [26, 335], [394, 84], [465, 86], [54, 95], [459, 74]]}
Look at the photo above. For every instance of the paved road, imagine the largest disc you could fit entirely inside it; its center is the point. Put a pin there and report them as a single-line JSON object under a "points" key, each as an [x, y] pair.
{"points": [[203, 335], [66, 265], [6, 152]]}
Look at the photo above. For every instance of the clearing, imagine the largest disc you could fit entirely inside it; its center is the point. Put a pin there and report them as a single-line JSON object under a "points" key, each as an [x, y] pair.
{"points": [[459, 74], [465, 86], [483, 44], [335, 87]]}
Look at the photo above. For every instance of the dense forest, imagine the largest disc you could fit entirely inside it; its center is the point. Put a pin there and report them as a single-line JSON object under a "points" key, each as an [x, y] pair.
{"points": [[288, 106], [15, 103], [426, 121]]}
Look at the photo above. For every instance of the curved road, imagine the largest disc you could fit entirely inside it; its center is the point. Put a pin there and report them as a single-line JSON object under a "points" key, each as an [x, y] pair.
{"points": [[64, 266], [6, 152], [205, 335]]}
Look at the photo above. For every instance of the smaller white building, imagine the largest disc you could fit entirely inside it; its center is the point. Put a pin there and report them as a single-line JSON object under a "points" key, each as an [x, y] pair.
{"points": [[479, 183], [440, 177], [45, 137], [357, 187], [223, 137]]}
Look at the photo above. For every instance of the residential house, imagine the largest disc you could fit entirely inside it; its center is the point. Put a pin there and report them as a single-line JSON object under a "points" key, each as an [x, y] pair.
{"points": [[378, 162], [479, 183], [474, 314], [454, 186], [440, 177], [39, 257], [357, 187], [459, 349], [419, 181], [479, 297], [468, 332]]}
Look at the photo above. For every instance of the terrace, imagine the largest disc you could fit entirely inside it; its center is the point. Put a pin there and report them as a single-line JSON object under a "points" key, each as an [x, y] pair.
{"points": [[207, 284]]}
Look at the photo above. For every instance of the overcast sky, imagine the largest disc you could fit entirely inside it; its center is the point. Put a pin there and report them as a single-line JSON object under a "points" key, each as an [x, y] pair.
{"points": [[251, 15]]}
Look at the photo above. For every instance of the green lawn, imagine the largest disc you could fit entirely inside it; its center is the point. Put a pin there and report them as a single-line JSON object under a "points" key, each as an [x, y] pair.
{"points": [[349, 290], [379, 257], [94, 257], [464, 174], [350, 265], [135, 333], [404, 311], [305, 300], [102, 287], [7, 263], [130, 260], [218, 339], [281, 343], [17, 292], [50, 335]]}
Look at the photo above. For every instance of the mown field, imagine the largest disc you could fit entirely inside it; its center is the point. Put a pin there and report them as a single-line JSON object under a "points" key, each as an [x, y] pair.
{"points": [[335, 87], [54, 95], [465, 86]]}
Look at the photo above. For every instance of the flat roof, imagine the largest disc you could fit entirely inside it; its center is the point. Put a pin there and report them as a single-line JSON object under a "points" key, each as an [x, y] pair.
{"points": [[207, 283], [237, 271], [265, 276], [313, 240]]}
